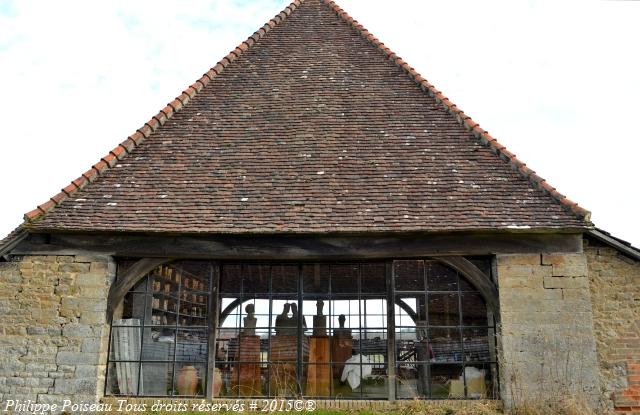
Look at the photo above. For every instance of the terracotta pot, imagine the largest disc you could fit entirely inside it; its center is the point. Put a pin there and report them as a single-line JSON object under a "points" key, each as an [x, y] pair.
{"points": [[187, 380], [217, 383]]}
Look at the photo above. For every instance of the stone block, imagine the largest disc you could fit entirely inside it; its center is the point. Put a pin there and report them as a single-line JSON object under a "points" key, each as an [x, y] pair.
{"points": [[65, 258], [99, 267], [77, 358], [32, 382], [66, 290], [568, 265], [22, 394], [15, 382], [74, 267], [65, 386], [10, 277], [570, 270], [46, 383], [10, 366], [91, 280], [518, 259], [40, 259], [77, 330], [99, 331], [91, 258], [24, 265], [93, 318], [70, 344], [86, 371], [92, 345], [82, 386], [567, 282], [67, 368], [532, 282], [579, 297], [54, 331], [35, 367], [37, 348], [51, 399], [515, 271], [553, 296], [37, 331], [94, 292], [86, 386], [74, 307]]}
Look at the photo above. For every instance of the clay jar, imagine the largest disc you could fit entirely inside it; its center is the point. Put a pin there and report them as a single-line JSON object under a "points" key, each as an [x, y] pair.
{"points": [[187, 381]]}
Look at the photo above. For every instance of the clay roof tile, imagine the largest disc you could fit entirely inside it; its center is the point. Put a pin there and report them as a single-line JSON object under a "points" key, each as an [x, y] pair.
{"points": [[243, 142]]}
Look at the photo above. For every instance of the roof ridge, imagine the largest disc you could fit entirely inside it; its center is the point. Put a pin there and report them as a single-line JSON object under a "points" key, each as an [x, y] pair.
{"points": [[464, 120], [141, 134]]}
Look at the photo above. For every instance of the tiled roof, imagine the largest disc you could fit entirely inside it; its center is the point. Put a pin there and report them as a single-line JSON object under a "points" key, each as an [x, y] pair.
{"points": [[8, 242], [310, 125], [620, 244]]}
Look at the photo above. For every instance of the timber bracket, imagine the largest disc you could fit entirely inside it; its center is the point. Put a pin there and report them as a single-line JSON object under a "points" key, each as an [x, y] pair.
{"points": [[128, 279]]}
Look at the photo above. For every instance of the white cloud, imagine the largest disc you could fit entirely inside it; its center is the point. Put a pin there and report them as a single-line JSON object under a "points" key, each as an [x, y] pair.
{"points": [[556, 82]]}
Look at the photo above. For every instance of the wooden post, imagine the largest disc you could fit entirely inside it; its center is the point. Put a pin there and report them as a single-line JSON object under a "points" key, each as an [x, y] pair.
{"points": [[391, 333], [213, 328]]}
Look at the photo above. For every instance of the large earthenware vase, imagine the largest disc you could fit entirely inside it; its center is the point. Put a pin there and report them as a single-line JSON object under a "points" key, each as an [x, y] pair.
{"points": [[187, 381]]}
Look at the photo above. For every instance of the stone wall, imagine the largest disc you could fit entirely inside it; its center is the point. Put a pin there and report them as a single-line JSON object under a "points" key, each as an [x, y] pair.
{"points": [[554, 308], [53, 331], [548, 351], [615, 290]]}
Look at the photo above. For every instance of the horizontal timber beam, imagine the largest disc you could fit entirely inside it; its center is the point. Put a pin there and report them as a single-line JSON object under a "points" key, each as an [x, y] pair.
{"points": [[296, 247]]}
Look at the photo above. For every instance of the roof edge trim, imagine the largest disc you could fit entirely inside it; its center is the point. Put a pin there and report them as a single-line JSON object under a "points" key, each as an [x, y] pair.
{"points": [[148, 128], [11, 240], [618, 244], [464, 120]]}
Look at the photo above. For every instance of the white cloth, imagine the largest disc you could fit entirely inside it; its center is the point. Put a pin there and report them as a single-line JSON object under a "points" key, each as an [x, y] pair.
{"points": [[352, 373]]}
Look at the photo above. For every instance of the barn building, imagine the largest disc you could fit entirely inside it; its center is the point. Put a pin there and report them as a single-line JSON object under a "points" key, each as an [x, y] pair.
{"points": [[313, 218]]}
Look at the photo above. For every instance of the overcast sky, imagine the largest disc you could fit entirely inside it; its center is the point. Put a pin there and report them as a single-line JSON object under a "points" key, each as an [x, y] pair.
{"points": [[557, 83]]}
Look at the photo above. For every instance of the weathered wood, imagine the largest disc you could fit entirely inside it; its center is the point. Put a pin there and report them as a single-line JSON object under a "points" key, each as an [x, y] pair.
{"points": [[229, 308], [391, 334], [476, 277], [128, 279], [407, 309], [11, 241], [214, 318], [304, 247]]}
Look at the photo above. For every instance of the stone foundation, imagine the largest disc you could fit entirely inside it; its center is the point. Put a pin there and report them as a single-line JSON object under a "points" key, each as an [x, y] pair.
{"points": [[615, 290], [548, 351], [53, 331]]}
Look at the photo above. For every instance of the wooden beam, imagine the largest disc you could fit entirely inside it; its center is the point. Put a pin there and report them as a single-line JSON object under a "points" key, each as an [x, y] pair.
{"points": [[476, 277], [391, 333], [303, 247], [128, 279], [213, 324]]}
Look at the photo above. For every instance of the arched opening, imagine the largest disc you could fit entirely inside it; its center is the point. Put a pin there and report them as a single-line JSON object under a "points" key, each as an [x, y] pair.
{"points": [[445, 342], [321, 330], [160, 331]]}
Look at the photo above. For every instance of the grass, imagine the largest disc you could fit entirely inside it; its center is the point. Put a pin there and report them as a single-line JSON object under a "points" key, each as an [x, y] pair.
{"points": [[407, 408]]}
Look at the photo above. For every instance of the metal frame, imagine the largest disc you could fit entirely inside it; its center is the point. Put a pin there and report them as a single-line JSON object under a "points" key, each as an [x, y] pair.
{"points": [[460, 327], [216, 315], [148, 295]]}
